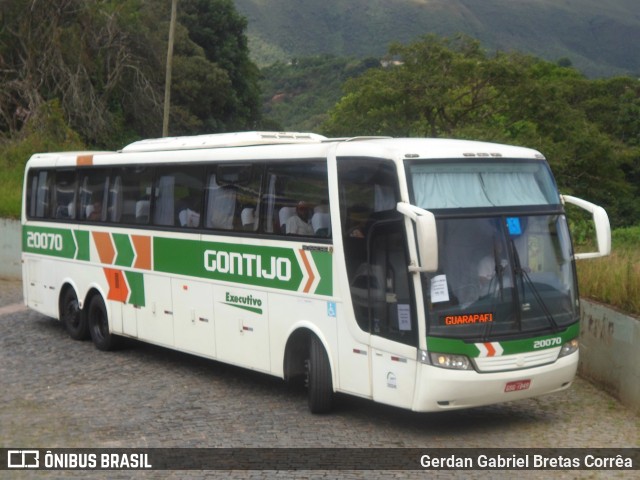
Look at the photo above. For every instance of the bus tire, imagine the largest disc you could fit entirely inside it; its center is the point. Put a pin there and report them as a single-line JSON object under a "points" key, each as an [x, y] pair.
{"points": [[102, 338], [72, 317], [320, 384]]}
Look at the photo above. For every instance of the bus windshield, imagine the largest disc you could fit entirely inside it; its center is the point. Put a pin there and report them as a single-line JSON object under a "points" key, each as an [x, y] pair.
{"points": [[505, 259], [490, 183]]}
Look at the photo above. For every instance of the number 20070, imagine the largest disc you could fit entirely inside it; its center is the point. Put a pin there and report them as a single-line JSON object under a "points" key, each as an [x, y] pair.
{"points": [[44, 241], [547, 342]]}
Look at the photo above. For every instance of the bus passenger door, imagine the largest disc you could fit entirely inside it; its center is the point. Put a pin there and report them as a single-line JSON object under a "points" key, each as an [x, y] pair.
{"points": [[394, 332], [242, 329], [194, 326]]}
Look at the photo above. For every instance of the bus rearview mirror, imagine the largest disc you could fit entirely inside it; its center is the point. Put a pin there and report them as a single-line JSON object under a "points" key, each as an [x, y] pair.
{"points": [[601, 222], [427, 242], [426, 236]]}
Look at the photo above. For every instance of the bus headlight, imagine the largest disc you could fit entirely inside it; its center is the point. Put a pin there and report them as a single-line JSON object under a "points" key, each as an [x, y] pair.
{"points": [[568, 348], [446, 360]]}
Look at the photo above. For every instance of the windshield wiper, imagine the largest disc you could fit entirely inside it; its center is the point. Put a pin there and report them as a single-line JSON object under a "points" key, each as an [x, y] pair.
{"points": [[524, 276], [499, 267]]}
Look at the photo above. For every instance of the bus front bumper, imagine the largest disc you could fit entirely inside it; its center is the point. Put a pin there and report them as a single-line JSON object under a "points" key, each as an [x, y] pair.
{"points": [[445, 389]]}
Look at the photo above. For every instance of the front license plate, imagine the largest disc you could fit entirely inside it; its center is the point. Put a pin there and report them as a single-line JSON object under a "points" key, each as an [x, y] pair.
{"points": [[517, 386]]}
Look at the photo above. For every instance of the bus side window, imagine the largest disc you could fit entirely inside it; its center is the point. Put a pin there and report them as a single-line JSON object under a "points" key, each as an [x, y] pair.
{"points": [[93, 193], [178, 196], [233, 197], [297, 199], [64, 195], [221, 205], [130, 195], [163, 212], [368, 190], [189, 196], [39, 193], [392, 313]]}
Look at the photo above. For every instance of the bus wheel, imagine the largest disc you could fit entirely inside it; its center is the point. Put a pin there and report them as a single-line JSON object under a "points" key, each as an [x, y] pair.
{"points": [[72, 317], [319, 381], [99, 325]]}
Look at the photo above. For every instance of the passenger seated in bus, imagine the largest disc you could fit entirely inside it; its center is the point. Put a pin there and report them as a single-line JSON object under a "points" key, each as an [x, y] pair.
{"points": [[94, 211], [298, 224], [188, 214]]}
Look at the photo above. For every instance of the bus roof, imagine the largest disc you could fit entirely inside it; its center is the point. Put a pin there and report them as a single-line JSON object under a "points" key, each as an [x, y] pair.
{"points": [[432, 148], [282, 145], [222, 140], [397, 148]]}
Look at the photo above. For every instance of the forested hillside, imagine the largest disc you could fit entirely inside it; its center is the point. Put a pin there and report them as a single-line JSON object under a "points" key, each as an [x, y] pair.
{"points": [[78, 74], [90, 74], [103, 64], [298, 95], [598, 37], [589, 129]]}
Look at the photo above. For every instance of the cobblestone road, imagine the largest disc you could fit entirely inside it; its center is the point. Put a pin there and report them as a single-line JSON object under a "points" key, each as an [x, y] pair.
{"points": [[56, 392]]}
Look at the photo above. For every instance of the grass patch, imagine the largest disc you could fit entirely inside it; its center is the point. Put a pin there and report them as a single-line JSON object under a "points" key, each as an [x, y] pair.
{"points": [[46, 131], [615, 280]]}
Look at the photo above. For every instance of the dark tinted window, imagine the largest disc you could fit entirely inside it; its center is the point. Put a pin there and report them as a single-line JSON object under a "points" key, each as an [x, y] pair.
{"points": [[130, 195], [233, 197], [93, 194], [296, 199], [63, 197], [178, 196]]}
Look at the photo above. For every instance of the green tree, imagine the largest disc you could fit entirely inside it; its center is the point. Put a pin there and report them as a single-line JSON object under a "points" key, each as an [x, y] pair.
{"points": [[80, 52], [296, 95], [437, 87], [217, 28], [104, 61]]}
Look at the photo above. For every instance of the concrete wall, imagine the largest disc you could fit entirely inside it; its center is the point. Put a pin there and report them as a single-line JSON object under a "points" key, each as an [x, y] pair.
{"points": [[10, 248], [610, 352], [609, 340]]}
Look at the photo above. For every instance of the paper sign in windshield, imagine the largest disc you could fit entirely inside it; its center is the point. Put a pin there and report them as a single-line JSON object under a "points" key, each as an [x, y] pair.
{"points": [[439, 289], [404, 317]]}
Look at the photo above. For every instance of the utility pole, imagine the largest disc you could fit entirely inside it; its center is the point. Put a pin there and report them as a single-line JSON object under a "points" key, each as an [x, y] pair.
{"points": [[167, 81]]}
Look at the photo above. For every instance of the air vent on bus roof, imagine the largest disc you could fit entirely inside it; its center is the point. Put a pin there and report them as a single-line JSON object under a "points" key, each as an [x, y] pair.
{"points": [[221, 140]]}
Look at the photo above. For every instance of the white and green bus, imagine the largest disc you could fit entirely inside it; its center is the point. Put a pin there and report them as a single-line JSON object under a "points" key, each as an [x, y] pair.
{"points": [[428, 274]]}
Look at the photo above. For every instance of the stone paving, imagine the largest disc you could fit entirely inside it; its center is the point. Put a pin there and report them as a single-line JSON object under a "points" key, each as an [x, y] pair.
{"points": [[56, 392]]}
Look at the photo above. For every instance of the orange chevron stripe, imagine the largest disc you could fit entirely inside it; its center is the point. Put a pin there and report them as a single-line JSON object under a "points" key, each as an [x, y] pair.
{"points": [[490, 350], [104, 245], [142, 247], [118, 289], [307, 266]]}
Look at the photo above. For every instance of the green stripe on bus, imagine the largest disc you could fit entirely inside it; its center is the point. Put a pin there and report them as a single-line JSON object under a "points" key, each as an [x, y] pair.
{"points": [[323, 264], [510, 347], [82, 241], [136, 288], [259, 266], [273, 267], [55, 242], [125, 253]]}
